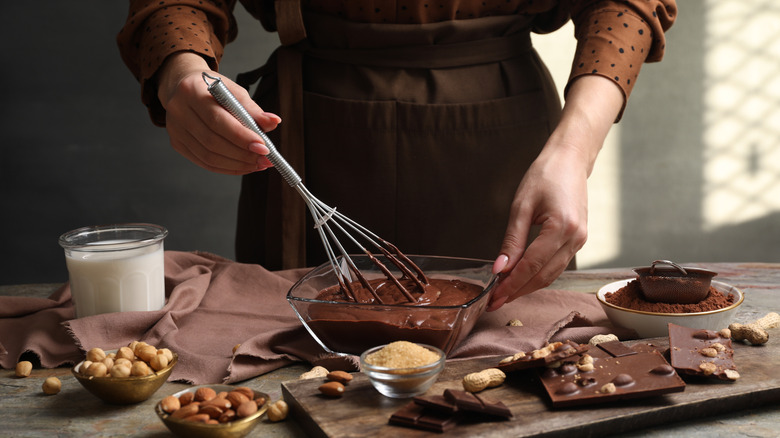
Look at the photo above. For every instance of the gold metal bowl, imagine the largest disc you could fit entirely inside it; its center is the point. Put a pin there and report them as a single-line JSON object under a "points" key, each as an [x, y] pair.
{"points": [[233, 429], [125, 390]]}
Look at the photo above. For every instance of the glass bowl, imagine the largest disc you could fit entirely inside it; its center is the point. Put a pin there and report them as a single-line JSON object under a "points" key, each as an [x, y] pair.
{"points": [[124, 390], [655, 324], [403, 382], [351, 328], [234, 429]]}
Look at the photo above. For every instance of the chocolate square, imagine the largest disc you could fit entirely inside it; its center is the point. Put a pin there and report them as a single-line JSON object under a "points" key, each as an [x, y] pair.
{"points": [[417, 417], [612, 378], [616, 348], [477, 404], [701, 352], [564, 351], [436, 403]]}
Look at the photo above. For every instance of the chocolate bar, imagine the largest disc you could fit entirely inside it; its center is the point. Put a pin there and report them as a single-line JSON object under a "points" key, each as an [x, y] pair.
{"points": [[475, 403], [418, 417], [611, 378], [542, 357], [701, 352], [616, 348], [437, 403]]}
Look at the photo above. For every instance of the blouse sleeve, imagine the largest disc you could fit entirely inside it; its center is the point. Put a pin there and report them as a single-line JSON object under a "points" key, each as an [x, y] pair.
{"points": [[614, 39], [158, 28]]}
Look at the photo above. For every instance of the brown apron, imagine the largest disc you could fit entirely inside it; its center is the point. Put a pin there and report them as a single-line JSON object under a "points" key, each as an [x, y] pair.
{"points": [[421, 133]]}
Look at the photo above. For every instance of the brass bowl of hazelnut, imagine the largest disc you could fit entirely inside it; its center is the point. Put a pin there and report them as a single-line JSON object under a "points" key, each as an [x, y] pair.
{"points": [[213, 411], [126, 375]]}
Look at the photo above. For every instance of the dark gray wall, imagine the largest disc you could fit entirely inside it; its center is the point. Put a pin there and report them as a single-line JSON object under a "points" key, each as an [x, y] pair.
{"points": [[78, 147]]}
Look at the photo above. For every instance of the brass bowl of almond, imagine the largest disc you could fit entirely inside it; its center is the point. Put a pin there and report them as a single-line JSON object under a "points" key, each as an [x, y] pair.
{"points": [[209, 419], [122, 386]]}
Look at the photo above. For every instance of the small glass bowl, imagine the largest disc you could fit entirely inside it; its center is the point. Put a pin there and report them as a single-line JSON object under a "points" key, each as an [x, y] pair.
{"points": [[403, 382]]}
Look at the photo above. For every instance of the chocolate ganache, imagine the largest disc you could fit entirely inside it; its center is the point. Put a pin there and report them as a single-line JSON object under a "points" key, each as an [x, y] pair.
{"points": [[352, 327]]}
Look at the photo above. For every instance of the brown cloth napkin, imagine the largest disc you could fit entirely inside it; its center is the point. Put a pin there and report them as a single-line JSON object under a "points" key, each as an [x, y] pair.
{"points": [[214, 304]]}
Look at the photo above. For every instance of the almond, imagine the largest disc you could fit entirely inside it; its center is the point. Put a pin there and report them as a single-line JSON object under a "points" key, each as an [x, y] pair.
{"points": [[205, 394], [170, 404], [332, 389], [342, 377], [246, 409], [186, 411]]}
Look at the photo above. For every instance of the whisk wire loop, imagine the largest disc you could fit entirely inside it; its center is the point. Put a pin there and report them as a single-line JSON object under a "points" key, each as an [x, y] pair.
{"points": [[327, 218]]}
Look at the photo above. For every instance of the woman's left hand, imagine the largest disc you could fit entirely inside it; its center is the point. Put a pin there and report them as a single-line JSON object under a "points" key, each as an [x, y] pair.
{"points": [[553, 194]]}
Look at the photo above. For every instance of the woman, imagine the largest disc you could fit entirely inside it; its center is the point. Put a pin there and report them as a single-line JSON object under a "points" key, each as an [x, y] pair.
{"points": [[435, 124]]}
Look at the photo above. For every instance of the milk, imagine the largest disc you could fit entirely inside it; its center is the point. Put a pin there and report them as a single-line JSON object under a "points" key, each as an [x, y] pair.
{"points": [[116, 275]]}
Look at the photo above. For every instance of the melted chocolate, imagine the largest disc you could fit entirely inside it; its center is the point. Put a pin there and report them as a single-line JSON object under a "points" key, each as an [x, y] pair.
{"points": [[351, 327]]}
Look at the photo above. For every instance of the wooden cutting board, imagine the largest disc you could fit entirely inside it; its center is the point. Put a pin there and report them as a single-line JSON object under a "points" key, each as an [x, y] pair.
{"points": [[362, 411]]}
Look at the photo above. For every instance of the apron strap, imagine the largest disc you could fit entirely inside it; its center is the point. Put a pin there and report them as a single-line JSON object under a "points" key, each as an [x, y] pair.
{"points": [[289, 21], [289, 24]]}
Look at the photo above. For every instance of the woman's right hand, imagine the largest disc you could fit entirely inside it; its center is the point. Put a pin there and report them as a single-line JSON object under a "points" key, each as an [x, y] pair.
{"points": [[200, 129]]}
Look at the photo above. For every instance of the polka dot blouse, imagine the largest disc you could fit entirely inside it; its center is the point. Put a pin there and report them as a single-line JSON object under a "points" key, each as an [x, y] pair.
{"points": [[614, 38]]}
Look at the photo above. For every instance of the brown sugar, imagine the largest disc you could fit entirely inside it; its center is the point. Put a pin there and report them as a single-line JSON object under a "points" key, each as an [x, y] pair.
{"points": [[630, 297], [402, 354]]}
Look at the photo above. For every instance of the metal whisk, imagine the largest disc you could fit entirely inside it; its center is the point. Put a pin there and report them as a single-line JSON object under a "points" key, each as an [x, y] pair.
{"points": [[326, 218]]}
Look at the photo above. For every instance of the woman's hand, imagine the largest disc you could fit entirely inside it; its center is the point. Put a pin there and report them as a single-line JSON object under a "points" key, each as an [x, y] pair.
{"points": [[200, 129], [553, 193]]}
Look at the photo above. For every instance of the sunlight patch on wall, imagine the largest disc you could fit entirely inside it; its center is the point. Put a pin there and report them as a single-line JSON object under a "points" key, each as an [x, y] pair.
{"points": [[742, 112]]}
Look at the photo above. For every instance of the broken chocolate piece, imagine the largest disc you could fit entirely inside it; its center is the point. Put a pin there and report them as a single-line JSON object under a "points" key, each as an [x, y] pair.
{"points": [[613, 378], [437, 403], [564, 351], [475, 403], [616, 348], [701, 353], [417, 417]]}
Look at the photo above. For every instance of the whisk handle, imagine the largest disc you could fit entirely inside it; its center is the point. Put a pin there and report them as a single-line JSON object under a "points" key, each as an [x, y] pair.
{"points": [[219, 90]]}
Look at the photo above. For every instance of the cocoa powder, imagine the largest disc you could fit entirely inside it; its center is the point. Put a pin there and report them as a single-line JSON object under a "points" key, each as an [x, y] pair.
{"points": [[630, 297]]}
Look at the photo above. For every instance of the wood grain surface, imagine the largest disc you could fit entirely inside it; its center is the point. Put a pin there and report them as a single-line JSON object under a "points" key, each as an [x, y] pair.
{"points": [[362, 411]]}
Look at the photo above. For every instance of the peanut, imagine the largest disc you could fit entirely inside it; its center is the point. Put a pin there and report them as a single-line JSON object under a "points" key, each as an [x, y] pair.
{"points": [[768, 321], [709, 352], [708, 368], [167, 353], [488, 378], [97, 369], [313, 373], [23, 368], [608, 388], [342, 377], [278, 411], [51, 386], [158, 362], [752, 333], [125, 353], [146, 353], [96, 354], [332, 389], [731, 374], [598, 339], [514, 323], [140, 369]]}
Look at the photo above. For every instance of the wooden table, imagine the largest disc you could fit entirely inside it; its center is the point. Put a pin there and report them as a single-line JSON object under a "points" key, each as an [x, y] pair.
{"points": [[26, 412]]}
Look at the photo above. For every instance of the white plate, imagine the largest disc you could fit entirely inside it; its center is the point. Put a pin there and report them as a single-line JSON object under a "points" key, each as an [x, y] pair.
{"points": [[653, 325]]}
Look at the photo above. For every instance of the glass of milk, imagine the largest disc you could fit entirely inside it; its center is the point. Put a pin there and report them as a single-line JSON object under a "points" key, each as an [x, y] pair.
{"points": [[116, 268]]}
